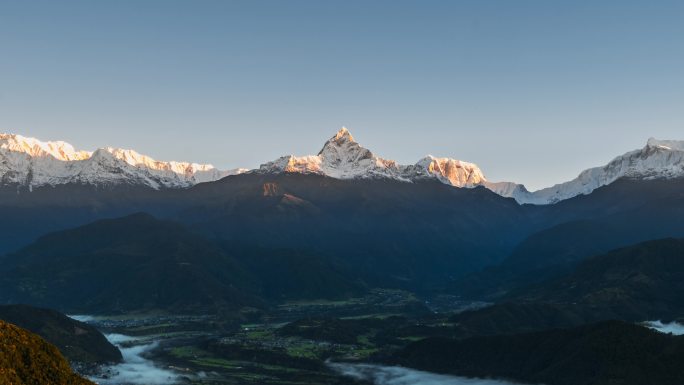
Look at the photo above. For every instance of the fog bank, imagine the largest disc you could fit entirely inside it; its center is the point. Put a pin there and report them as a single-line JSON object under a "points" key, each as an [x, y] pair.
{"points": [[394, 375], [669, 328], [135, 368]]}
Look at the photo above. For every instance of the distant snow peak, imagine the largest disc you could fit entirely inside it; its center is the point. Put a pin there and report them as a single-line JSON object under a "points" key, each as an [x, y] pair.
{"points": [[452, 171], [343, 135], [671, 145], [31, 162], [343, 158], [34, 147], [659, 159]]}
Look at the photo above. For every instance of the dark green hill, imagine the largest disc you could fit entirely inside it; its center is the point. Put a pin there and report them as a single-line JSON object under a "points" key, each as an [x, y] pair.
{"points": [[618, 215], [521, 317], [643, 282], [640, 282], [409, 235], [287, 274], [131, 263], [140, 263], [606, 353], [26, 359], [78, 341], [417, 236]]}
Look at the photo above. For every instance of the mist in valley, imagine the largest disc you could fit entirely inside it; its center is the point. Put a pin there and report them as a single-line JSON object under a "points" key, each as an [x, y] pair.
{"points": [[673, 328], [395, 375], [135, 368]]}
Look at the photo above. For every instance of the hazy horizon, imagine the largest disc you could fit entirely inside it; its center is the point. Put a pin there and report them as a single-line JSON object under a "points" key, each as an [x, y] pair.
{"points": [[531, 92]]}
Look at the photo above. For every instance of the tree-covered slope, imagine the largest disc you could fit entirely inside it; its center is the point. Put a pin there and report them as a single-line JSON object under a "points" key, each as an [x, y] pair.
{"points": [[606, 353], [78, 341], [130, 263], [26, 359]]}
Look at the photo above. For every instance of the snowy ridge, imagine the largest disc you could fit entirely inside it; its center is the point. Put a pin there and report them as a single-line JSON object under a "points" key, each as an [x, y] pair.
{"points": [[343, 158], [659, 159], [452, 171], [32, 163], [35, 148]]}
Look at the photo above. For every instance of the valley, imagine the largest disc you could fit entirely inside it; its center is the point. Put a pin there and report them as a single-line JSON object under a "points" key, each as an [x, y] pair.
{"points": [[362, 349], [166, 349], [337, 276]]}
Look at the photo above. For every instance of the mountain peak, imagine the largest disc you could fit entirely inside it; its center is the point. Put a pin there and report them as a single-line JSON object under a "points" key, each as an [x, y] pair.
{"points": [[343, 158], [343, 139], [659, 159], [343, 134], [35, 148], [31, 162], [453, 171], [342, 148], [673, 145]]}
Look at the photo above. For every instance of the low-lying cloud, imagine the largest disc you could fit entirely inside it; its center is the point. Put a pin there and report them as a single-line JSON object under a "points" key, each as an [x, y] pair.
{"points": [[135, 368], [674, 328], [394, 375]]}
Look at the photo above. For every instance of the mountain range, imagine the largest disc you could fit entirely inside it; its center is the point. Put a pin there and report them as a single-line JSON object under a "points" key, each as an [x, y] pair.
{"points": [[113, 232], [345, 219], [28, 162]]}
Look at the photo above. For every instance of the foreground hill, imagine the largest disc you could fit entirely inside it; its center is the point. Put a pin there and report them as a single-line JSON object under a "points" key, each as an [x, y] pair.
{"points": [[140, 263], [291, 274], [522, 317], [640, 282], [26, 359], [606, 353], [621, 214], [131, 263], [78, 341]]}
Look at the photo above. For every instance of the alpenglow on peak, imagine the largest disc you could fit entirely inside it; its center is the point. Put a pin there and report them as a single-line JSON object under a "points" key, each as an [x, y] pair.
{"points": [[29, 162], [344, 134], [33, 163], [343, 158]]}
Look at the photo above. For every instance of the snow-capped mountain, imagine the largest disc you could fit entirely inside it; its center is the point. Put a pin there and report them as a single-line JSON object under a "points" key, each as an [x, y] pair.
{"points": [[343, 158], [32, 163], [659, 159]]}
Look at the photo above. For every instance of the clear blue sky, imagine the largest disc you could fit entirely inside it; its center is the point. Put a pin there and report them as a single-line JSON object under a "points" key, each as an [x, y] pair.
{"points": [[532, 91]]}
